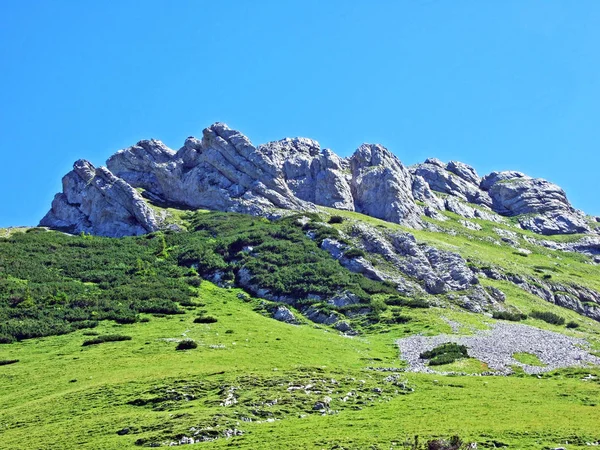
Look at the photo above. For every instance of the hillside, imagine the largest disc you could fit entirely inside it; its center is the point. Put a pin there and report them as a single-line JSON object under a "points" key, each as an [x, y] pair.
{"points": [[256, 382], [279, 296]]}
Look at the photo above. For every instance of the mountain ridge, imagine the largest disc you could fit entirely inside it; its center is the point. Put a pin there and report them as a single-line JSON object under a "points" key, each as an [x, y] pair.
{"points": [[225, 171]]}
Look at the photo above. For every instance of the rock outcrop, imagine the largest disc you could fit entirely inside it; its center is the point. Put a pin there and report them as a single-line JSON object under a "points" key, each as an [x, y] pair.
{"points": [[225, 171], [97, 202], [543, 205], [314, 175], [461, 181], [382, 187]]}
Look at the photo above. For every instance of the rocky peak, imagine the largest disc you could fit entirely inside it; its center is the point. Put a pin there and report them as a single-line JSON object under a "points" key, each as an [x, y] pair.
{"points": [[224, 171], [97, 202], [464, 171], [489, 180], [372, 155], [382, 187]]}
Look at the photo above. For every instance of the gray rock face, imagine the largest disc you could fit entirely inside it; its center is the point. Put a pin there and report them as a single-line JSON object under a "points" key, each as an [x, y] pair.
{"points": [[588, 245], [382, 186], [462, 181], [489, 180], [464, 171], [526, 195], [96, 201], [544, 205], [225, 171], [556, 222], [438, 270], [314, 175]]}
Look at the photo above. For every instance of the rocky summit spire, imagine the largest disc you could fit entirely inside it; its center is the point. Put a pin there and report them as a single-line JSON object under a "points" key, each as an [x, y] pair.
{"points": [[224, 171]]}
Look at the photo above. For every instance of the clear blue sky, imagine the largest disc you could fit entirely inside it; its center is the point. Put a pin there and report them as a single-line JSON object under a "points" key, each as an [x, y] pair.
{"points": [[499, 85]]}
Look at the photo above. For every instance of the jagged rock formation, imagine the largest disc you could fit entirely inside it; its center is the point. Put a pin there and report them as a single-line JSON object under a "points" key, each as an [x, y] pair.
{"points": [[515, 194], [95, 201], [382, 186], [578, 298], [415, 268], [225, 171]]}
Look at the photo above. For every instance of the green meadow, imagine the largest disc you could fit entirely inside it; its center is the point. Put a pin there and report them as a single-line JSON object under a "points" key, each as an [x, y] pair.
{"points": [[253, 382]]}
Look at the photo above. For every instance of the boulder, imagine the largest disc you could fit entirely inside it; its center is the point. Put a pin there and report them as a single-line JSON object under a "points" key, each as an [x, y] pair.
{"points": [[283, 314]]}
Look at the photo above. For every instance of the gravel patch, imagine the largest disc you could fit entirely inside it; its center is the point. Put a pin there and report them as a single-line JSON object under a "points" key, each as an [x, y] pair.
{"points": [[496, 346], [454, 325]]}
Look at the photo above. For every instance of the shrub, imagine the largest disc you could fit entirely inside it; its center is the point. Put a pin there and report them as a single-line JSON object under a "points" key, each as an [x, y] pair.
{"points": [[506, 315], [188, 344], [446, 358], [572, 324], [354, 253], [205, 319], [4, 339], [445, 354], [448, 347], [415, 302], [6, 362], [397, 319], [106, 338], [548, 317], [336, 219]]}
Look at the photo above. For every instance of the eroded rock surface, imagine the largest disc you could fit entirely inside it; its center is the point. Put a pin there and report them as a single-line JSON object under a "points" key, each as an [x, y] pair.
{"points": [[224, 171], [95, 201]]}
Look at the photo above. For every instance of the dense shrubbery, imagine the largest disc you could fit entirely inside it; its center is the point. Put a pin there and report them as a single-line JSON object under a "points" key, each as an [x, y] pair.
{"points": [[354, 253], [277, 255], [106, 338], [548, 317], [445, 354], [506, 315], [572, 324], [52, 283]]}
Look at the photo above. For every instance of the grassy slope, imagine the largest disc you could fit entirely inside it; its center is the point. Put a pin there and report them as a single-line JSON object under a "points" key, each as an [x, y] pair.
{"points": [[476, 247], [43, 407]]}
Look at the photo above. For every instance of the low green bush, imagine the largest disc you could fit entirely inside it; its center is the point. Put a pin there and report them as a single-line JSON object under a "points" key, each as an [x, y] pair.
{"points": [[4, 339], [187, 344], [445, 354], [354, 253], [106, 338], [446, 358], [6, 362], [548, 317], [506, 315], [336, 219], [414, 302], [448, 347], [205, 319], [572, 324]]}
